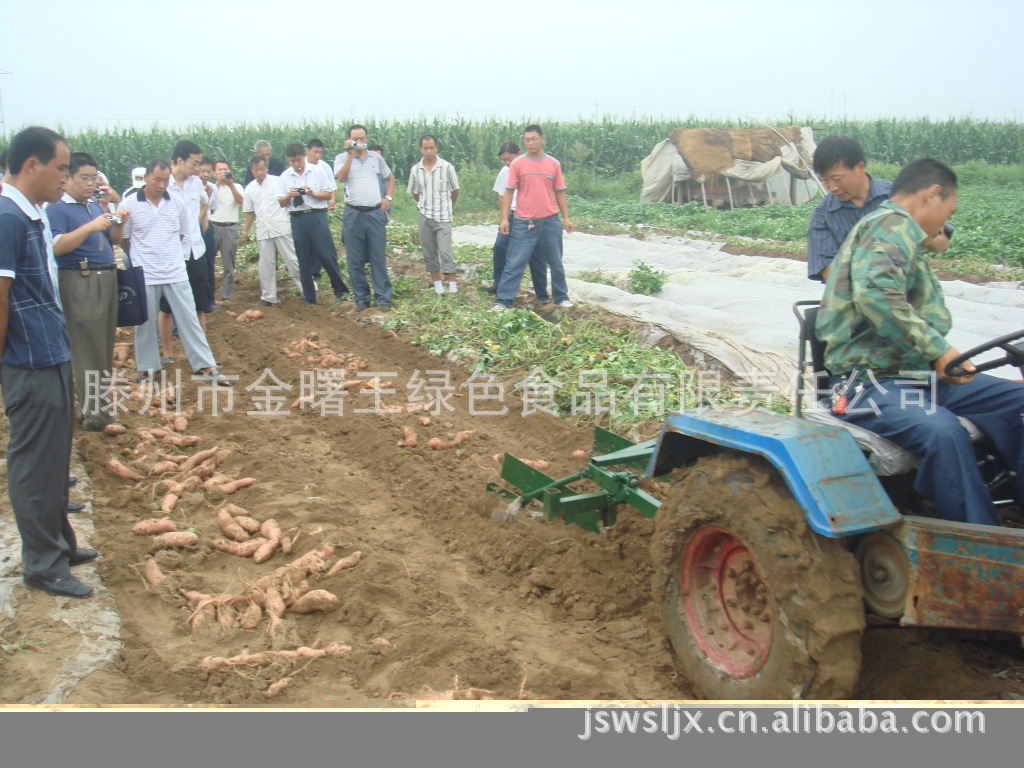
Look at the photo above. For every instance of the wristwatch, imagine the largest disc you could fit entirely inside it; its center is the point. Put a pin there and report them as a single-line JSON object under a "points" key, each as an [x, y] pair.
{"points": [[388, 197]]}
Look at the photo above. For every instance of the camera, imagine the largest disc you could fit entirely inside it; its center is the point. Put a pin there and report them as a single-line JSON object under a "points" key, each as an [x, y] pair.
{"points": [[304, 190], [100, 193], [357, 146], [228, 175], [114, 219]]}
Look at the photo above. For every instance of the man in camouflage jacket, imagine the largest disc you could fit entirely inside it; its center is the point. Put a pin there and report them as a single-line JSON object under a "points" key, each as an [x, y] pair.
{"points": [[884, 316]]}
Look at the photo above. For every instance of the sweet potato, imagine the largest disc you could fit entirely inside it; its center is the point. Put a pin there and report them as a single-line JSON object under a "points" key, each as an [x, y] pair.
{"points": [[265, 550], [309, 563], [325, 552], [409, 439], [274, 689], [190, 484], [250, 525], [540, 464], [345, 562], [579, 454], [199, 457], [231, 529], [275, 610], [168, 503], [269, 529], [293, 594], [424, 421], [114, 429], [227, 616], [238, 548], [152, 573], [235, 511], [317, 600], [180, 423], [117, 469], [235, 485], [163, 467], [180, 539], [251, 616], [153, 526]]}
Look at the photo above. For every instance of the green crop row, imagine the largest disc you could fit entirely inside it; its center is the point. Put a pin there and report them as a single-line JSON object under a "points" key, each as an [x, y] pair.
{"points": [[605, 148]]}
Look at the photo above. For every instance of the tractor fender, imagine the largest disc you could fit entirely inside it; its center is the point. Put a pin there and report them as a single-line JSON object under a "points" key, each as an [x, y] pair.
{"points": [[823, 465]]}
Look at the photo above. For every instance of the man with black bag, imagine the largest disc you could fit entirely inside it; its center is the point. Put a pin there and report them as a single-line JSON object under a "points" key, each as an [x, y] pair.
{"points": [[83, 236]]}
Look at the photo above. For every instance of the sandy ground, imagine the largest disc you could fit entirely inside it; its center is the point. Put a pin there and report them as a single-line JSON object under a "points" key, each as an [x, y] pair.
{"points": [[444, 601]]}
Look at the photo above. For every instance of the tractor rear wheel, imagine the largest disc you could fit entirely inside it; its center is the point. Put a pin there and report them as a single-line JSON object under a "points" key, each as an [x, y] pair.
{"points": [[756, 604]]}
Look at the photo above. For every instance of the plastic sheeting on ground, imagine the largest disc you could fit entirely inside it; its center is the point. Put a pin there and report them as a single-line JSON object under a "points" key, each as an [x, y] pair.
{"points": [[738, 309]]}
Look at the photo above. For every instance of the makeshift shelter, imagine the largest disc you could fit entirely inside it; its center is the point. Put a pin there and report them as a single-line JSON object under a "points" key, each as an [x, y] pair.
{"points": [[731, 167]]}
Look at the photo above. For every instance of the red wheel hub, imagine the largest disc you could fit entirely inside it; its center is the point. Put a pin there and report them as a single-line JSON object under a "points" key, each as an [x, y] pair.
{"points": [[726, 602]]}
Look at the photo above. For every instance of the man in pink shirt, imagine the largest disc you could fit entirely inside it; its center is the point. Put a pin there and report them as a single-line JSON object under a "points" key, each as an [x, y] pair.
{"points": [[537, 177]]}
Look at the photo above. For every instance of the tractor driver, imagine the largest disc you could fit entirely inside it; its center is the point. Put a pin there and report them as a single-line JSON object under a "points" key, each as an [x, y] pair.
{"points": [[884, 317]]}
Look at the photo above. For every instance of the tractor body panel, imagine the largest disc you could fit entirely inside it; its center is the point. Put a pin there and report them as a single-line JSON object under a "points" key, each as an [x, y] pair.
{"points": [[962, 575], [823, 466]]}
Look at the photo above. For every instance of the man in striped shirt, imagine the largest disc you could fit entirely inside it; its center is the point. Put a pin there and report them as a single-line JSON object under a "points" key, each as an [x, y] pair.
{"points": [[852, 194], [434, 186]]}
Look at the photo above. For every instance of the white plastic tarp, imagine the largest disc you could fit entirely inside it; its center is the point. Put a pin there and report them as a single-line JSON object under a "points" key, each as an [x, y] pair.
{"points": [[738, 309]]}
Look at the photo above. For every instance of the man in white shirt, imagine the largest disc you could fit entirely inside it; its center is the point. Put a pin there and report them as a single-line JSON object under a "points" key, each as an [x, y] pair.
{"points": [[315, 156], [364, 220], [303, 191], [224, 220], [273, 230], [187, 186], [157, 225]]}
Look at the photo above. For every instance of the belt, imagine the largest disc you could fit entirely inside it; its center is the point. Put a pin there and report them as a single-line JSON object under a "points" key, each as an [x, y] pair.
{"points": [[364, 208], [308, 210], [224, 223], [90, 267]]}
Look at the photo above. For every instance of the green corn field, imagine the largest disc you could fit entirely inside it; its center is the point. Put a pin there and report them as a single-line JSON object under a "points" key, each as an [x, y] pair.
{"points": [[608, 147]]}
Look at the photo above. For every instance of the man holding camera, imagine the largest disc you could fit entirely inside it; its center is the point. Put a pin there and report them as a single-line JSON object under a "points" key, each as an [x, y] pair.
{"points": [[83, 236], [224, 207], [304, 192], [365, 219]]}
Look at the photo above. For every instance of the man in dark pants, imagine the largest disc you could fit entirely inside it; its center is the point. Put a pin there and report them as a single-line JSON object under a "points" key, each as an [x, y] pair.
{"points": [[36, 368], [365, 218], [304, 191], [83, 233]]}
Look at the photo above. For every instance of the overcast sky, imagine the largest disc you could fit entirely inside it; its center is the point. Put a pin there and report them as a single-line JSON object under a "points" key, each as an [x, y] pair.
{"points": [[225, 61]]}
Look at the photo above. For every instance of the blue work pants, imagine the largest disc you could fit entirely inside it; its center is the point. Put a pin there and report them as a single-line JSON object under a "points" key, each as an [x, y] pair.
{"points": [[538, 268], [529, 236], [922, 419], [365, 236]]}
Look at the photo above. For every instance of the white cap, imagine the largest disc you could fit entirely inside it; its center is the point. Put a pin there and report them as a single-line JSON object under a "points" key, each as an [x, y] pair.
{"points": [[138, 177]]}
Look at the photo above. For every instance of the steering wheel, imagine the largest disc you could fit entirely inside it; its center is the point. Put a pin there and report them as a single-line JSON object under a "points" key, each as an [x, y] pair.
{"points": [[1014, 356]]}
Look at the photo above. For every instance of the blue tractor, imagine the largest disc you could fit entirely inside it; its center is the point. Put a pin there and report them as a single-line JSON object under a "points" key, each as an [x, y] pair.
{"points": [[779, 531]]}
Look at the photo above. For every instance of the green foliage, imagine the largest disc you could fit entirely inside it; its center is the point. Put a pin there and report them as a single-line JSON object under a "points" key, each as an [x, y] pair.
{"points": [[595, 276], [606, 148], [643, 279]]}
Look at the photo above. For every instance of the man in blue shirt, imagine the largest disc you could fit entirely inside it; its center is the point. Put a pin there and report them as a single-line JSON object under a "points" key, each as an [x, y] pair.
{"points": [[35, 357], [852, 194], [83, 233]]}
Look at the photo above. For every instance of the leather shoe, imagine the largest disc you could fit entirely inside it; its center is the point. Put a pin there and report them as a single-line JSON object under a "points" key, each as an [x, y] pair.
{"points": [[82, 555], [65, 586], [74, 506]]}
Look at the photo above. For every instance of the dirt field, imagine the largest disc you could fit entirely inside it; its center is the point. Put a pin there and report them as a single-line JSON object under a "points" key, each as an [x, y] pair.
{"points": [[444, 601]]}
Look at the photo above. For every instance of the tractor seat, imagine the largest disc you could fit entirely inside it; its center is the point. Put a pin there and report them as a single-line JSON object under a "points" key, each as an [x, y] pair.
{"points": [[884, 456]]}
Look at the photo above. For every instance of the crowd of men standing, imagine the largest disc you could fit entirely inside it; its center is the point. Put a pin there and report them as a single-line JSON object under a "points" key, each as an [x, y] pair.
{"points": [[60, 221]]}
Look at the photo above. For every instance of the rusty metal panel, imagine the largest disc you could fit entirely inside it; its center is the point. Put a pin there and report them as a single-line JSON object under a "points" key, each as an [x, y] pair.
{"points": [[963, 576]]}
